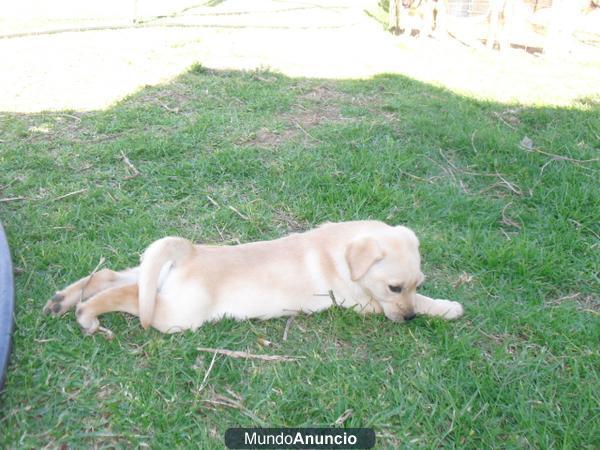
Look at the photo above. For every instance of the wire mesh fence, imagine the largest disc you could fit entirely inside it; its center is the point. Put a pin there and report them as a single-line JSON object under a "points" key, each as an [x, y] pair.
{"points": [[527, 23], [471, 8]]}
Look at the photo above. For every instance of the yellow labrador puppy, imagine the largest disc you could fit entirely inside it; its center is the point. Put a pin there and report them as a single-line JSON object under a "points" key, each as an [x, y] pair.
{"points": [[366, 265]]}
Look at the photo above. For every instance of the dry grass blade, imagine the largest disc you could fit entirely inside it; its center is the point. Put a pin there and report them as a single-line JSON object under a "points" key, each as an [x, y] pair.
{"points": [[205, 379], [70, 194], [511, 186], [70, 116], [212, 201], [504, 121], [108, 334], [580, 225], [246, 355], [287, 327], [345, 416], [168, 108], [410, 175], [132, 168], [238, 213], [507, 220], [12, 199], [558, 301], [473, 141], [91, 276], [464, 278], [306, 132], [527, 145], [332, 297], [236, 403]]}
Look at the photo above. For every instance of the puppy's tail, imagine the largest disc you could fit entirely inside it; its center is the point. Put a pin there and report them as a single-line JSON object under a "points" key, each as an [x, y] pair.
{"points": [[170, 249]]}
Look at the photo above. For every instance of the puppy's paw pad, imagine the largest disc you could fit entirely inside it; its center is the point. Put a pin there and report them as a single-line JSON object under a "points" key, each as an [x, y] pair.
{"points": [[55, 305]]}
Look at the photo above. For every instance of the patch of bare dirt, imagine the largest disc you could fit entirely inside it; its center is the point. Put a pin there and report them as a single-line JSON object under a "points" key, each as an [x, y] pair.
{"points": [[287, 220], [175, 98], [316, 107], [585, 303], [265, 137], [321, 94]]}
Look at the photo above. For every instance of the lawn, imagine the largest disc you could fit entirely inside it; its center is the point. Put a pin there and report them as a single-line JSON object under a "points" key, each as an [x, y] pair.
{"points": [[502, 197]]}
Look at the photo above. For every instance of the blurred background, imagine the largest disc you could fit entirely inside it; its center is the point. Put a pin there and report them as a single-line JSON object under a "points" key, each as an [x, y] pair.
{"points": [[68, 54]]}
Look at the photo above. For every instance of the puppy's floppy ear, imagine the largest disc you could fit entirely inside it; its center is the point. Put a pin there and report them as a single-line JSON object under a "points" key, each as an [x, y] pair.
{"points": [[361, 254]]}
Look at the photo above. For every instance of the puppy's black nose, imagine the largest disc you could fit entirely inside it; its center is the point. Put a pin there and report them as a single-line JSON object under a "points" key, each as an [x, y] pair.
{"points": [[410, 316]]}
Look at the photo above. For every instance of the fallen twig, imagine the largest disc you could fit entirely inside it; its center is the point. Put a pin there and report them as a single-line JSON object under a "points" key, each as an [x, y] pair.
{"points": [[565, 158], [527, 145], [132, 168], [12, 199], [558, 301], [448, 160], [91, 276], [246, 355], [70, 194]]}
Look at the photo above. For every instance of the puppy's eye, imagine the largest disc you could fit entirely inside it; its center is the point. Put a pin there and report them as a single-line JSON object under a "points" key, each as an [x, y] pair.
{"points": [[396, 289]]}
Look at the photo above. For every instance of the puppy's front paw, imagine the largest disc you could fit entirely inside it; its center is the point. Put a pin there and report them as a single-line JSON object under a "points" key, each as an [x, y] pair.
{"points": [[451, 310], [56, 306]]}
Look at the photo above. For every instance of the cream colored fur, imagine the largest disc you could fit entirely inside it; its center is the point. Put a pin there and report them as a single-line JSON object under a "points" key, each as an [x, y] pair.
{"points": [[180, 285]]}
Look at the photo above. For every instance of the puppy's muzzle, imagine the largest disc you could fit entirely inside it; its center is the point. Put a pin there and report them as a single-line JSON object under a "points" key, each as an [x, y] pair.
{"points": [[410, 316], [400, 316]]}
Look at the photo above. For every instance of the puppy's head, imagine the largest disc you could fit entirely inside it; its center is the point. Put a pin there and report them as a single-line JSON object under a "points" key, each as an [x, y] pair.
{"points": [[387, 265]]}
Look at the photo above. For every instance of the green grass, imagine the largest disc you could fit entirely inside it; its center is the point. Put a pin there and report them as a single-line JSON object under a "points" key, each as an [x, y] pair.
{"points": [[520, 370]]}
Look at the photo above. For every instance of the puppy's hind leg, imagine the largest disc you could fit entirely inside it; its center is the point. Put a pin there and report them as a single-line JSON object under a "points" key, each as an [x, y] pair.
{"points": [[122, 299], [87, 287]]}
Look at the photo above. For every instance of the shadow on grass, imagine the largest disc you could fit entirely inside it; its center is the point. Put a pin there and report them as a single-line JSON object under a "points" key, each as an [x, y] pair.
{"points": [[502, 197]]}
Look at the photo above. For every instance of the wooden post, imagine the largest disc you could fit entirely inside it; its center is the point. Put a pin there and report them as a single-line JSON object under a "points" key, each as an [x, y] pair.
{"points": [[135, 11]]}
